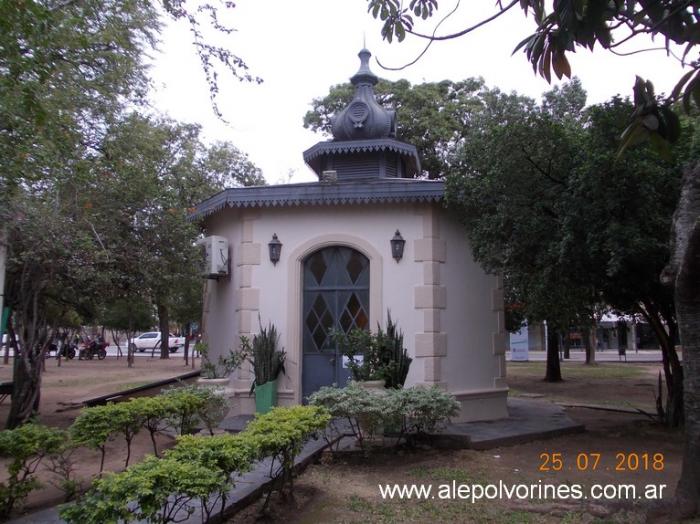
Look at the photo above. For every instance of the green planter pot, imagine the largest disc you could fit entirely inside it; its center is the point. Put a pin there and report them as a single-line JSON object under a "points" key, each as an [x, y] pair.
{"points": [[266, 397]]}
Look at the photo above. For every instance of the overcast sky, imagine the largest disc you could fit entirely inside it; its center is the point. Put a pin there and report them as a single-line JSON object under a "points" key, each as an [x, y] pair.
{"points": [[301, 48]]}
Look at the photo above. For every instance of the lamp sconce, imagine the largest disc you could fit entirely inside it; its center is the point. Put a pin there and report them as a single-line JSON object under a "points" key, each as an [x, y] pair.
{"points": [[275, 249], [397, 244]]}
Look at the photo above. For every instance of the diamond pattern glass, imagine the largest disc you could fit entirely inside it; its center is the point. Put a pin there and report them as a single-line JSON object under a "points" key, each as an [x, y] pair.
{"points": [[355, 265], [318, 266]]}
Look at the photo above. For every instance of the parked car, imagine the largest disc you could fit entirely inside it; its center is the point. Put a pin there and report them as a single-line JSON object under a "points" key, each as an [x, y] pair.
{"points": [[151, 340]]}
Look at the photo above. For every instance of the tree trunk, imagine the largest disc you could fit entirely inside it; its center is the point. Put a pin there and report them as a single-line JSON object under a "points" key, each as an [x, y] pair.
{"points": [[553, 373], [26, 379], [683, 272], [164, 325], [589, 342], [567, 346], [188, 332], [673, 370]]}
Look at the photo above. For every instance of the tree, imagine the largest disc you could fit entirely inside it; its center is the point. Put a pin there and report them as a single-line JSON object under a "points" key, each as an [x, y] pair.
{"points": [[586, 24], [158, 170], [67, 70]]}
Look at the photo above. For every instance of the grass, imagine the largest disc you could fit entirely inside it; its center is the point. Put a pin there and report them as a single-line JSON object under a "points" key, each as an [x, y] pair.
{"points": [[579, 370]]}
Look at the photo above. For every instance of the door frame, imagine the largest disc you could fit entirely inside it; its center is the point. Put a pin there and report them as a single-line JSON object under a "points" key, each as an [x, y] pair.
{"points": [[295, 283]]}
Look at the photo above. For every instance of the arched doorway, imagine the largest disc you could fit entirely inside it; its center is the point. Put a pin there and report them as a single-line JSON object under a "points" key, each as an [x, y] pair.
{"points": [[336, 297]]}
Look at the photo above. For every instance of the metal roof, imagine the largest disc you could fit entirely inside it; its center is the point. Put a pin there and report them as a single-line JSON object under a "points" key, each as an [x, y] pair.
{"points": [[331, 147], [348, 192]]}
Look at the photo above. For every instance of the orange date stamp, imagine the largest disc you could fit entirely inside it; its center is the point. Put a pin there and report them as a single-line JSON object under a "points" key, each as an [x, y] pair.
{"points": [[594, 461]]}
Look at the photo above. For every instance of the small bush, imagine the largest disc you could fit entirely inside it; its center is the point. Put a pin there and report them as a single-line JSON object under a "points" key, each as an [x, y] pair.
{"points": [[228, 454], [281, 433], [423, 410], [364, 412], [155, 490], [26, 446], [93, 428], [410, 411], [187, 406], [154, 413]]}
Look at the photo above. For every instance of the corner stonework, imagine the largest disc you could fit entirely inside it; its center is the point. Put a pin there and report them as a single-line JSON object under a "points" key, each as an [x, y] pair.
{"points": [[247, 300], [499, 338], [431, 298]]}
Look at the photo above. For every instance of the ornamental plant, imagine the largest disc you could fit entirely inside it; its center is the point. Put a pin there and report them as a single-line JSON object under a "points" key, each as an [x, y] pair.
{"points": [[154, 413], [229, 454], [225, 364], [363, 411], [422, 409], [281, 434], [26, 446], [189, 405], [155, 490], [93, 428], [411, 411], [128, 420], [264, 354], [376, 356], [198, 472]]}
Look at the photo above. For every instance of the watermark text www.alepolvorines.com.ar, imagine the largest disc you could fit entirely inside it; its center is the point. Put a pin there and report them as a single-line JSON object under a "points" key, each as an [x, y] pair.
{"points": [[536, 491]]}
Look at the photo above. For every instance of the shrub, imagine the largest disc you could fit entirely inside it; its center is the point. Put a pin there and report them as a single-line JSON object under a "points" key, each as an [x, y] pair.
{"points": [[365, 412], [422, 409], [93, 428], [226, 453], [281, 433], [154, 412], [224, 366], [198, 469], [411, 411], [383, 356], [62, 465], [26, 446], [189, 405], [127, 418], [155, 490]]}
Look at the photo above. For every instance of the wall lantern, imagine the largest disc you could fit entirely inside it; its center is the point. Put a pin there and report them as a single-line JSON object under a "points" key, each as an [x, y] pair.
{"points": [[397, 244], [275, 249]]}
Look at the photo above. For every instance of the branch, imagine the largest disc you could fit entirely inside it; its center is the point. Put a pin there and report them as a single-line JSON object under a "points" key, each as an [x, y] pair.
{"points": [[468, 29], [540, 170], [420, 55]]}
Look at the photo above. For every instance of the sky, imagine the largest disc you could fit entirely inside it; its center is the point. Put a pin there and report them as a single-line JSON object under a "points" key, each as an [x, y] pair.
{"points": [[301, 48]]}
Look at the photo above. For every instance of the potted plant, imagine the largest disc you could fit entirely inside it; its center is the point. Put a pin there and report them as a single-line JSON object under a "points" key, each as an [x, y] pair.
{"points": [[378, 360], [268, 362], [218, 373]]}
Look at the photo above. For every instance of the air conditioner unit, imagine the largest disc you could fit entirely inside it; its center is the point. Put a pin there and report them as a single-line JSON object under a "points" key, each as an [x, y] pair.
{"points": [[215, 256]]}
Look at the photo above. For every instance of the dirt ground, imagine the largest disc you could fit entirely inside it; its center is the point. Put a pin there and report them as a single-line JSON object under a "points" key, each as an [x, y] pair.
{"points": [[345, 487], [76, 380]]}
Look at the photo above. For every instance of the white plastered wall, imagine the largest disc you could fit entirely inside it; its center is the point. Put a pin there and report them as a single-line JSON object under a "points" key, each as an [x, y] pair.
{"points": [[452, 329]]}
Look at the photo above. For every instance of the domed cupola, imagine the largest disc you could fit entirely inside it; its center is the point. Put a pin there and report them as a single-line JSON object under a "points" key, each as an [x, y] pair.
{"points": [[364, 143], [364, 118]]}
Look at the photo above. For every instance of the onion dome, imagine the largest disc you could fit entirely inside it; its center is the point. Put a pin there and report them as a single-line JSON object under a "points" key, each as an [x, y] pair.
{"points": [[364, 118], [364, 143]]}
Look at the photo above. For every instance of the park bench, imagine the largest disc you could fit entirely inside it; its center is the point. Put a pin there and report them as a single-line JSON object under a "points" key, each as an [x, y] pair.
{"points": [[5, 390]]}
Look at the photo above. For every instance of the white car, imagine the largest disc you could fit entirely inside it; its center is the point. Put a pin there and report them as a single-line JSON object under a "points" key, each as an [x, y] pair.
{"points": [[151, 340]]}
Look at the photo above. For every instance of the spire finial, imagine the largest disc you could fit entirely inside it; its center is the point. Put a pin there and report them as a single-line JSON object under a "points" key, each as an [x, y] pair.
{"points": [[364, 75]]}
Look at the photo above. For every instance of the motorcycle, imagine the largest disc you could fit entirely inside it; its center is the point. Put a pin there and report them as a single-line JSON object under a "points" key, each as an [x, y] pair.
{"points": [[67, 351], [96, 348], [62, 349]]}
